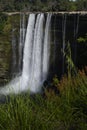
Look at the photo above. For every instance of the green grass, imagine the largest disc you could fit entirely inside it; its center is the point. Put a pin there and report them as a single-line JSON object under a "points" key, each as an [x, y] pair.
{"points": [[66, 111]]}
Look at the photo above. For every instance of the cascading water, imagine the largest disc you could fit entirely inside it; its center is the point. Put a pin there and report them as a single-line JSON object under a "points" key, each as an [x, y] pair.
{"points": [[34, 50], [54, 43], [76, 28], [27, 59], [35, 59], [35, 79], [64, 35], [46, 49], [76, 25], [22, 40], [14, 56]]}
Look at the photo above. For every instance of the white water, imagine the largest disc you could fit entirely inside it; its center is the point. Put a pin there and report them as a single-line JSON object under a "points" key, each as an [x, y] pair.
{"points": [[76, 28], [46, 49], [35, 58], [63, 39], [22, 40], [14, 56], [35, 79], [26, 74]]}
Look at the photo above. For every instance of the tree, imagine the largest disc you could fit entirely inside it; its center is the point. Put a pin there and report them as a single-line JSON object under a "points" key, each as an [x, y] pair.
{"points": [[81, 4]]}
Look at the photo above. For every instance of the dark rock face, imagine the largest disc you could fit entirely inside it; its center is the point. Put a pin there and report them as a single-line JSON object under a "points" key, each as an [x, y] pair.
{"points": [[11, 23], [68, 28], [5, 54], [65, 27]]}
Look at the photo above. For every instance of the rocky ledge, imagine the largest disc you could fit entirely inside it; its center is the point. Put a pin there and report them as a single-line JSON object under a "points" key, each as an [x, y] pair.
{"points": [[62, 12]]}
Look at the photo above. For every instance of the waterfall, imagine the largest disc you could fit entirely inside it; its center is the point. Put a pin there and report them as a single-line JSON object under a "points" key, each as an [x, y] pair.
{"points": [[21, 41], [46, 49], [27, 59], [64, 35], [35, 57], [31, 55], [14, 56], [54, 43], [76, 28], [76, 25], [37, 53]]}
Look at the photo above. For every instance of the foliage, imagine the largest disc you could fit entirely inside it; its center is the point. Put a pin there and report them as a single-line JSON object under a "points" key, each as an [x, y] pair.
{"points": [[73, 95], [71, 69], [65, 111], [42, 5], [3, 19], [81, 4], [82, 39]]}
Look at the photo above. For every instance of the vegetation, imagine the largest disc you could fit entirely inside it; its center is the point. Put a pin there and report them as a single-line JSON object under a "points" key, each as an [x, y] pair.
{"points": [[82, 39], [3, 19], [42, 5], [66, 111]]}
